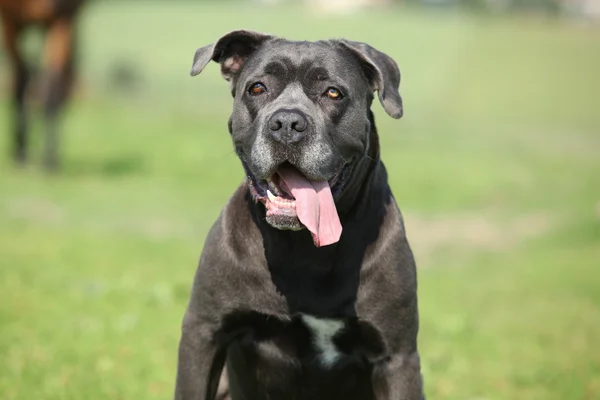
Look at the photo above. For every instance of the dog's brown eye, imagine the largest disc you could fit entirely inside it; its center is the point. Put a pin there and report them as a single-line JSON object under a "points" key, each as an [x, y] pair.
{"points": [[257, 88], [334, 94]]}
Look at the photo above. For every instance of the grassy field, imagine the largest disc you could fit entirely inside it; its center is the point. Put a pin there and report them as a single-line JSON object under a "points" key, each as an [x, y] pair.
{"points": [[496, 166]]}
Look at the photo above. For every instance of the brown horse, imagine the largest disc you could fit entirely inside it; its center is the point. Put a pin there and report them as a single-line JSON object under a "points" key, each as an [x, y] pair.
{"points": [[57, 18]]}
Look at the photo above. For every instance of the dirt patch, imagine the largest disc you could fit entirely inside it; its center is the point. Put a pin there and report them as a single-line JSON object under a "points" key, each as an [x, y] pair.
{"points": [[470, 233], [35, 209]]}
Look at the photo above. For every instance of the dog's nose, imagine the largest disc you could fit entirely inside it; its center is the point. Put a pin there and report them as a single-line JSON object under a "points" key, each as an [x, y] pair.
{"points": [[287, 126]]}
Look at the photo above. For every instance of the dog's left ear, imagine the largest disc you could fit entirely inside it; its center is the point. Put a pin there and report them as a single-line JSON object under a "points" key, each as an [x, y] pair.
{"points": [[383, 73], [231, 51]]}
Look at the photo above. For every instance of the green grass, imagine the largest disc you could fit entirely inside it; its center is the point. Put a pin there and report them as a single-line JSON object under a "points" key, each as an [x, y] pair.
{"points": [[496, 166]]}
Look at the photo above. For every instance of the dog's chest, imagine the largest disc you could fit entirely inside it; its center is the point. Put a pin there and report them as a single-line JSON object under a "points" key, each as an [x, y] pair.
{"points": [[301, 356], [322, 332], [316, 341]]}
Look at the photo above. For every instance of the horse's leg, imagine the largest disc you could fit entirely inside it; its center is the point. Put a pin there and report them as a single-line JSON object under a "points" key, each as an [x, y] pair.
{"points": [[59, 69], [11, 32]]}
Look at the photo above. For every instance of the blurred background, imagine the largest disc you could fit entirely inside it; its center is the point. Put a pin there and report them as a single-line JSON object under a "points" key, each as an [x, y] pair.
{"points": [[496, 166]]}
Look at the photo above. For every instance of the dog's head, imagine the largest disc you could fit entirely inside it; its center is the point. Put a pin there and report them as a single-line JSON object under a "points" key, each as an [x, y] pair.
{"points": [[300, 119]]}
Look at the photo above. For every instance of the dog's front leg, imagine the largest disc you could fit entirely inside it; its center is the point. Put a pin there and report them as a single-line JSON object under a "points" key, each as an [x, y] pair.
{"points": [[200, 361], [399, 378]]}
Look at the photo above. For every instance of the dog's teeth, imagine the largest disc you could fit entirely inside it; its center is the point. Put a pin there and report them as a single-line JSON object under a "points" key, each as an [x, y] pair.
{"points": [[271, 196], [273, 187]]}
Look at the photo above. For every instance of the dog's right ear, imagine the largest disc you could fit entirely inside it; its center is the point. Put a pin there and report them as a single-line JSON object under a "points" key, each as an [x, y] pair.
{"points": [[231, 51]]}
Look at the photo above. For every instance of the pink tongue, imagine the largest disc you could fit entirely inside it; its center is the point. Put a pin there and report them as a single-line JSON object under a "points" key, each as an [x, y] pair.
{"points": [[314, 206]]}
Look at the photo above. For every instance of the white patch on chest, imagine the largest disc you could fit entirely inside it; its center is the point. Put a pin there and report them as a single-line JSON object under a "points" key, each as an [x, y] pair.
{"points": [[323, 331]]}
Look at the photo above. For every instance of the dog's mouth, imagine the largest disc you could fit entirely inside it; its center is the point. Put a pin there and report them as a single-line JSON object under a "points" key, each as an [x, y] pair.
{"points": [[294, 202]]}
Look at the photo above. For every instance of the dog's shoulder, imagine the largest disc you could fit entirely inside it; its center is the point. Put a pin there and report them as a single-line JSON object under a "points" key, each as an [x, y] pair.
{"points": [[233, 261]]}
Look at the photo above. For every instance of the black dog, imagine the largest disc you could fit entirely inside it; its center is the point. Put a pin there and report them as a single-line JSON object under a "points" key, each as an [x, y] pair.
{"points": [[306, 287]]}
